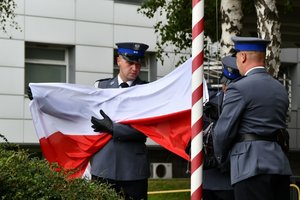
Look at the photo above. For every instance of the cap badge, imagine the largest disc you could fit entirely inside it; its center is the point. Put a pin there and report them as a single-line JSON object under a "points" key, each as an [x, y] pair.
{"points": [[136, 46]]}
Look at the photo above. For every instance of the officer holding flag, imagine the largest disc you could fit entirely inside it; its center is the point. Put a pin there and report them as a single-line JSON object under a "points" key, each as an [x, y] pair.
{"points": [[123, 161]]}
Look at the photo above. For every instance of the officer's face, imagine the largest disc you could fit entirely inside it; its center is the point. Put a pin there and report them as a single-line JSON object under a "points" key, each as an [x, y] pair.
{"points": [[129, 71]]}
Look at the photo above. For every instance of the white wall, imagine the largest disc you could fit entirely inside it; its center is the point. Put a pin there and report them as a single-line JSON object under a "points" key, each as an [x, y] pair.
{"points": [[90, 27]]}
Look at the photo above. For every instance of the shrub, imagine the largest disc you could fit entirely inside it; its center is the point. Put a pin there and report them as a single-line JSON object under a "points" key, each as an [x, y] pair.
{"points": [[23, 177]]}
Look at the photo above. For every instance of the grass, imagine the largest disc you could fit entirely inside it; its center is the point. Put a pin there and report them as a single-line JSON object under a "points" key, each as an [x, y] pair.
{"points": [[169, 184]]}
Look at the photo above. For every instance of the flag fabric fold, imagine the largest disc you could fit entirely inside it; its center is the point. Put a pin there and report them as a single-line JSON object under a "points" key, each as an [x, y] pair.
{"points": [[61, 114]]}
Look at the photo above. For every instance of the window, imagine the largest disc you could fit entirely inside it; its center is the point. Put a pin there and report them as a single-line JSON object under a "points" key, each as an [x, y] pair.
{"points": [[284, 76], [44, 63], [147, 67]]}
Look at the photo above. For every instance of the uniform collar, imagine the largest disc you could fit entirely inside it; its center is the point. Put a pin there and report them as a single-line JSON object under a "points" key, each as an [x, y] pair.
{"points": [[258, 67], [121, 81]]}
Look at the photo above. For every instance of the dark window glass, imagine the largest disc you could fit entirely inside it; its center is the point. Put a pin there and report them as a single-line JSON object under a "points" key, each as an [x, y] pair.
{"points": [[41, 73], [45, 54], [130, 1]]}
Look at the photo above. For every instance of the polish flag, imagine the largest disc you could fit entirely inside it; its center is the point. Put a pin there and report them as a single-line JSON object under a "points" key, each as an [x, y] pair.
{"points": [[161, 110]]}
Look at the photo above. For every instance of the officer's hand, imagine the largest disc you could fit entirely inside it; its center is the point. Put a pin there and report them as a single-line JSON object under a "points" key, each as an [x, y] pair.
{"points": [[102, 125], [29, 93]]}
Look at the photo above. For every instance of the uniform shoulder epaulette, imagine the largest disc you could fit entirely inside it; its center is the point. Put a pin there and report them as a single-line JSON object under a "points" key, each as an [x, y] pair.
{"points": [[104, 79]]}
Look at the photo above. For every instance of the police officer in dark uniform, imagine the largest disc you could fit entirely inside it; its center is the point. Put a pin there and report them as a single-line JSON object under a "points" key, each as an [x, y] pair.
{"points": [[123, 162], [216, 180], [251, 128]]}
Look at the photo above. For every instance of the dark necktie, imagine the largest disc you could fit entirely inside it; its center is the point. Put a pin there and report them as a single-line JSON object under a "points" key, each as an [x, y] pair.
{"points": [[124, 85]]}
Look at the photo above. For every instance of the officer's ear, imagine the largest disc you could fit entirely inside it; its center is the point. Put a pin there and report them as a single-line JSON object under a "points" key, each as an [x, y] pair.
{"points": [[119, 60]]}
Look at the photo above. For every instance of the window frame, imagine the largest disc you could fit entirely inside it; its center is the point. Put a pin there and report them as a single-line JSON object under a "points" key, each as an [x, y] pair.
{"points": [[64, 62], [133, 2]]}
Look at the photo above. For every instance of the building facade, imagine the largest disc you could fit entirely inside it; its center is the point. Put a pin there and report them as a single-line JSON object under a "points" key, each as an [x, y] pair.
{"points": [[290, 67], [66, 41], [69, 41]]}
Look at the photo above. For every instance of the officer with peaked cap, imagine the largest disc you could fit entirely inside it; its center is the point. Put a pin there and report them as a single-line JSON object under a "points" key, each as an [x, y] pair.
{"points": [[129, 62], [251, 130], [230, 71], [123, 161], [229, 74], [216, 179]]}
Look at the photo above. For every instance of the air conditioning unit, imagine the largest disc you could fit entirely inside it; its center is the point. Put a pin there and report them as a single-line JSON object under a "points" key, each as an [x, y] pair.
{"points": [[161, 170]]}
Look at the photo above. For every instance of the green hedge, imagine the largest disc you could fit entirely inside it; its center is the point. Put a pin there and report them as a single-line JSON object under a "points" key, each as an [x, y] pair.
{"points": [[26, 177]]}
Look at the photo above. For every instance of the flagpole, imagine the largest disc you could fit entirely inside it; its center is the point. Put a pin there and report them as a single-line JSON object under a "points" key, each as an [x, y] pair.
{"points": [[197, 99]]}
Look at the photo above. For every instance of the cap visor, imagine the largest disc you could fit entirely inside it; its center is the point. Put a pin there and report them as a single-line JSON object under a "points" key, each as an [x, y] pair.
{"points": [[234, 52], [132, 59]]}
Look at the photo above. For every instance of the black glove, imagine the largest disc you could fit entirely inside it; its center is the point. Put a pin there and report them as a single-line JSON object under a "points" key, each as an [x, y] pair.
{"points": [[105, 124], [211, 110], [29, 93]]}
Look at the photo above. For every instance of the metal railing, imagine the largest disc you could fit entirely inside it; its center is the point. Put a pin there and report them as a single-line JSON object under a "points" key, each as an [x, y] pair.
{"points": [[294, 188], [287, 83], [212, 72]]}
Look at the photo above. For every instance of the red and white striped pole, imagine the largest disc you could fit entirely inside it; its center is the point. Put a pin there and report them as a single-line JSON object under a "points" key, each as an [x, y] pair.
{"points": [[197, 99]]}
